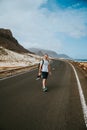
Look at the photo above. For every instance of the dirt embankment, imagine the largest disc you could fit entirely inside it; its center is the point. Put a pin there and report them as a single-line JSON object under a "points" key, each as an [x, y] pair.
{"points": [[82, 66], [6, 71]]}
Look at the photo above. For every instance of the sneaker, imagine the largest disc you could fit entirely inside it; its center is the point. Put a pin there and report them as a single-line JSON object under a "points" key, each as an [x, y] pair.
{"points": [[38, 77], [45, 89]]}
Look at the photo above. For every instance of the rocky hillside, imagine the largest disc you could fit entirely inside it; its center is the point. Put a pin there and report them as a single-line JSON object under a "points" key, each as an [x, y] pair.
{"points": [[12, 54], [10, 58], [9, 42]]}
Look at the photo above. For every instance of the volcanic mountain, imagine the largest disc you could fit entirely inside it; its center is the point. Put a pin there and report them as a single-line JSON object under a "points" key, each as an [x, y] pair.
{"points": [[9, 42]]}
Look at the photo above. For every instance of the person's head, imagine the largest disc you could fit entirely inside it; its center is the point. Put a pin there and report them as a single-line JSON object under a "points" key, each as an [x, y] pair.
{"points": [[46, 56]]}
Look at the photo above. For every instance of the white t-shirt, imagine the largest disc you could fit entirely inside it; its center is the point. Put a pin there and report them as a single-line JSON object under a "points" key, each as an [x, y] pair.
{"points": [[45, 65]]}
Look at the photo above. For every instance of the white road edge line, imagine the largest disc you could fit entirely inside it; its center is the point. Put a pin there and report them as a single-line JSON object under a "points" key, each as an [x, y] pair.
{"points": [[82, 98], [17, 74]]}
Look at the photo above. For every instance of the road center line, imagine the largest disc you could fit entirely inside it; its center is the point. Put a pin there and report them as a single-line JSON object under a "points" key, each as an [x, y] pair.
{"points": [[82, 98]]}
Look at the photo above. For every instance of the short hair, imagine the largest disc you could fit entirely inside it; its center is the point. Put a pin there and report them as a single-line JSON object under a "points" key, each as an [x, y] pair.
{"points": [[46, 54]]}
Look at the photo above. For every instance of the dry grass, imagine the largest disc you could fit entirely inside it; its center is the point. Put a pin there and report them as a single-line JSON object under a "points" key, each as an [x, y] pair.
{"points": [[9, 71], [7, 68], [83, 65]]}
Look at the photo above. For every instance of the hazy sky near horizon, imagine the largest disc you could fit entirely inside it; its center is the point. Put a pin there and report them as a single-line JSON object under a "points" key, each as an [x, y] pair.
{"points": [[57, 25]]}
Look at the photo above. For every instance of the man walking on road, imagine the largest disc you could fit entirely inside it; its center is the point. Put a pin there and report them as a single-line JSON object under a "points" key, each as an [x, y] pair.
{"points": [[44, 70]]}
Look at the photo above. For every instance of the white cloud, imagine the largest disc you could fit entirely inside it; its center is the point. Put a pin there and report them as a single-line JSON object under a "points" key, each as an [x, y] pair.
{"points": [[32, 25]]}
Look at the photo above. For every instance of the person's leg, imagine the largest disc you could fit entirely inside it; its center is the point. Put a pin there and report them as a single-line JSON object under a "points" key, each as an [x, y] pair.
{"points": [[44, 80], [44, 83]]}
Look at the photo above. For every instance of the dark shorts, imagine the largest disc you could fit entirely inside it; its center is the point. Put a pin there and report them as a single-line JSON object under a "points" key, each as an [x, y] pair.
{"points": [[44, 75]]}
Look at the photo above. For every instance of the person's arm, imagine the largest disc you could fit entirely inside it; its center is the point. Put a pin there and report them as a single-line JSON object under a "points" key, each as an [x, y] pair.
{"points": [[49, 69], [40, 68]]}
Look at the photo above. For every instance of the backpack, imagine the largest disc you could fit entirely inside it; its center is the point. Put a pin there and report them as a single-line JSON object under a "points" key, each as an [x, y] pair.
{"points": [[42, 64]]}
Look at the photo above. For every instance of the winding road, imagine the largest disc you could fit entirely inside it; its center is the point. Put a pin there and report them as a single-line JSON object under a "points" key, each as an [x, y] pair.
{"points": [[24, 106]]}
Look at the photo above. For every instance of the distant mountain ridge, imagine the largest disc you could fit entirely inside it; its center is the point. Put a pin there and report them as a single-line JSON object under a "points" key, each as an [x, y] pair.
{"points": [[41, 52], [53, 54], [9, 42]]}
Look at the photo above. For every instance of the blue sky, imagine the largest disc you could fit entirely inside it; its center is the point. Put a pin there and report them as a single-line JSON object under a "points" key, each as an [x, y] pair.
{"points": [[57, 25]]}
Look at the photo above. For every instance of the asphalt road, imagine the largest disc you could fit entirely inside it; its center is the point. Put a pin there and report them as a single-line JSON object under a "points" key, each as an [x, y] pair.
{"points": [[24, 106]]}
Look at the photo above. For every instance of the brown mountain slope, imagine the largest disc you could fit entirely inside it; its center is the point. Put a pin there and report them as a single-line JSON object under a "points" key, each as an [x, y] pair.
{"points": [[9, 42]]}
